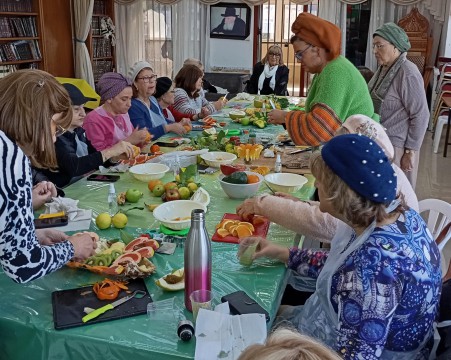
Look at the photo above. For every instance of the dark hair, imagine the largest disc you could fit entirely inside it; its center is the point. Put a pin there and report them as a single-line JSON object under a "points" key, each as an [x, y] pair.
{"points": [[186, 79], [295, 38], [366, 73]]}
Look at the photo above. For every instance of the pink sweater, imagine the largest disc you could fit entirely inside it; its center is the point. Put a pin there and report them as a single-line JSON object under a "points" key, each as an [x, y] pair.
{"points": [[308, 219], [103, 131]]}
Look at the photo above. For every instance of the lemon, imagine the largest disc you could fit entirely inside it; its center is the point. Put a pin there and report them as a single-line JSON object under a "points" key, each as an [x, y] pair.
{"points": [[201, 196], [119, 220], [103, 221], [172, 287], [192, 187]]}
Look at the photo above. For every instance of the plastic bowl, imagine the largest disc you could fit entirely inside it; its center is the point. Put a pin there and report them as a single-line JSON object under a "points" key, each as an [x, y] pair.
{"points": [[167, 212], [236, 114], [148, 171], [216, 158], [285, 182], [240, 191]]}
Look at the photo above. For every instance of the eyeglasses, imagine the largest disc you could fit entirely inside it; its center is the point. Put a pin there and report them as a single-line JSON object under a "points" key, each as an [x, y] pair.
{"points": [[298, 54], [378, 46], [273, 54], [148, 79], [59, 130]]}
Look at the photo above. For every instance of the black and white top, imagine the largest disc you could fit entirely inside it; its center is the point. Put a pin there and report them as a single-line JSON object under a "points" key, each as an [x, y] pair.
{"points": [[21, 256]]}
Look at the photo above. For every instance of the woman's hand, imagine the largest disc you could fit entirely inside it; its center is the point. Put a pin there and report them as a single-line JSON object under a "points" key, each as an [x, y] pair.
{"points": [[49, 237], [277, 117], [219, 104], [185, 121], [286, 196], [122, 147], [264, 249], [204, 112], [42, 193], [84, 246], [175, 128], [138, 136], [247, 209], [407, 162]]}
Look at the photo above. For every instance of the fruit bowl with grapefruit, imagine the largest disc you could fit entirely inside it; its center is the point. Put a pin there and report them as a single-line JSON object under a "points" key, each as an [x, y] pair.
{"points": [[241, 184]]}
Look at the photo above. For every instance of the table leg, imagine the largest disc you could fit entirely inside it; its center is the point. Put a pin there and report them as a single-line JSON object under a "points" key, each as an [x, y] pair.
{"points": [[447, 133]]}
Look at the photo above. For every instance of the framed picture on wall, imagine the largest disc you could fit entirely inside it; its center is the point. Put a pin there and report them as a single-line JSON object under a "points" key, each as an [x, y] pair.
{"points": [[230, 21]]}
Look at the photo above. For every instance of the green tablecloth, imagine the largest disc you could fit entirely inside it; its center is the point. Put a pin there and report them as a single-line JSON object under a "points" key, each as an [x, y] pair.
{"points": [[26, 321]]}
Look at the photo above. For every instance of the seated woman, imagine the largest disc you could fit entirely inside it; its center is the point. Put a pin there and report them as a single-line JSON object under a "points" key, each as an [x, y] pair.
{"points": [[189, 95], [74, 152], [164, 94], [108, 124], [144, 111], [382, 263], [34, 109], [270, 75]]}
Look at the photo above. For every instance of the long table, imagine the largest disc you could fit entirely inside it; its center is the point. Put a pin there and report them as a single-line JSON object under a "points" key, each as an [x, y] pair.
{"points": [[26, 320]]}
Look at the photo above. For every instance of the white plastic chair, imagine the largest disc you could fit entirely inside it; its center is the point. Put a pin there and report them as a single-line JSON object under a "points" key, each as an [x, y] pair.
{"points": [[439, 216], [441, 122]]}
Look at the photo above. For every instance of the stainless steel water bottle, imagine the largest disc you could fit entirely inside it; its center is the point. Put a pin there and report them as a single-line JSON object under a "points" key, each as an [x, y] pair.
{"points": [[197, 257]]}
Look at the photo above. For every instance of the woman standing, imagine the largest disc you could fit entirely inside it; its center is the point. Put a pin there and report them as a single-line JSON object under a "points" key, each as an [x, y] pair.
{"points": [[144, 111], [399, 98], [337, 84], [270, 75], [110, 123], [382, 263], [34, 110]]}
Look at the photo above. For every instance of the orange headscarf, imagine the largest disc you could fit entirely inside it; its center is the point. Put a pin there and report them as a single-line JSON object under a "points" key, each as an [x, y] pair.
{"points": [[318, 32]]}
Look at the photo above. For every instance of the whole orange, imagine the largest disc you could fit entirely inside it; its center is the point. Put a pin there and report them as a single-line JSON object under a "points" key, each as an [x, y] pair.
{"points": [[154, 148], [152, 183], [252, 179]]}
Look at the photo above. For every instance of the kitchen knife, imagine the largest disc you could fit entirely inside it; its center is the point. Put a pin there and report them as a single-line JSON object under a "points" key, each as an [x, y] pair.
{"points": [[99, 311]]}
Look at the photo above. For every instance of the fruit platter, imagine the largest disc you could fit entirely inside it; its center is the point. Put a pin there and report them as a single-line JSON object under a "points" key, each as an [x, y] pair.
{"points": [[120, 260]]}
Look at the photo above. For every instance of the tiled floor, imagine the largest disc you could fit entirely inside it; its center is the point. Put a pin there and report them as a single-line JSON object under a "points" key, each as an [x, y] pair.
{"points": [[434, 174]]}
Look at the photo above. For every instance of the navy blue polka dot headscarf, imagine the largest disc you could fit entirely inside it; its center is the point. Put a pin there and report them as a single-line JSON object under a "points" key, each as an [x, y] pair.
{"points": [[362, 165]]}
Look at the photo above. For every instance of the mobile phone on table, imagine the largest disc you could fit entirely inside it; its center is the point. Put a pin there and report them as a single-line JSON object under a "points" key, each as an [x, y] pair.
{"points": [[103, 177], [50, 222], [205, 169], [167, 144], [241, 303]]}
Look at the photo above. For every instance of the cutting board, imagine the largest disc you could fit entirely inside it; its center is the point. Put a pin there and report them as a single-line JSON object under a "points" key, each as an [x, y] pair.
{"points": [[68, 305], [260, 230]]}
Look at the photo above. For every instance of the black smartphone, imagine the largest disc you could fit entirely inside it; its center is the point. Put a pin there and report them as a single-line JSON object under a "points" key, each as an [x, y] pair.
{"points": [[241, 303], [205, 169], [50, 222], [102, 177], [167, 144]]}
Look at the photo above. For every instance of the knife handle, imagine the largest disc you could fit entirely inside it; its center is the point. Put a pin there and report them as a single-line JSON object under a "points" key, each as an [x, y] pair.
{"points": [[97, 312]]}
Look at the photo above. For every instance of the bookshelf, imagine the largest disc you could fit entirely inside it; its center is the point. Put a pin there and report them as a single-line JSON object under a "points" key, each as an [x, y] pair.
{"points": [[20, 31], [100, 48]]}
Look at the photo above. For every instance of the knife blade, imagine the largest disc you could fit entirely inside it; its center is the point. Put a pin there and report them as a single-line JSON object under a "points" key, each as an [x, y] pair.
{"points": [[100, 311]]}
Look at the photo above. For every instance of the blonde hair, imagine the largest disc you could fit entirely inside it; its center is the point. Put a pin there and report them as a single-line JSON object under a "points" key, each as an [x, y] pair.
{"points": [[273, 47], [355, 208], [28, 101], [287, 344]]}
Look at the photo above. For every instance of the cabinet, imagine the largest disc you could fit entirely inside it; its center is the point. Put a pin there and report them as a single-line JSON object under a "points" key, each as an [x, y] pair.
{"points": [[100, 47]]}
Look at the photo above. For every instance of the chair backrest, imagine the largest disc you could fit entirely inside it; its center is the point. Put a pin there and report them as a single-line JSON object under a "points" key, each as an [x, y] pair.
{"points": [[417, 28]]}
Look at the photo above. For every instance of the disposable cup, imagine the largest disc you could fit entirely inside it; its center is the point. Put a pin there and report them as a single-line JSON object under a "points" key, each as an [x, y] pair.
{"points": [[201, 299], [246, 252]]}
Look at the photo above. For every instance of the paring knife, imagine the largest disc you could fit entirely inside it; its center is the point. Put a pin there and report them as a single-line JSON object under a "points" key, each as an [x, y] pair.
{"points": [[99, 311]]}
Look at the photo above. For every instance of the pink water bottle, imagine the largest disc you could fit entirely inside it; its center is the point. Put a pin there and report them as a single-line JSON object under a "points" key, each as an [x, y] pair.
{"points": [[197, 257]]}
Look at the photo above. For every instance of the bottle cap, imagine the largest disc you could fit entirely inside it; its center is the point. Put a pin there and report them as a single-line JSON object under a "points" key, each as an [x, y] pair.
{"points": [[112, 189], [185, 330]]}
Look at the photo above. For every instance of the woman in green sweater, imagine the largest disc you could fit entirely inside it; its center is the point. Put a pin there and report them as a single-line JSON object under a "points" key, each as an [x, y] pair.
{"points": [[338, 90]]}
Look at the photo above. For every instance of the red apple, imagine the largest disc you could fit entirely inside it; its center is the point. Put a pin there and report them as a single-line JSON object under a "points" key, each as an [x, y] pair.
{"points": [[172, 194], [230, 169]]}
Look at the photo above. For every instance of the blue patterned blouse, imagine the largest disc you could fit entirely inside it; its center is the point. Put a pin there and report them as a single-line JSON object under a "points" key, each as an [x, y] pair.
{"points": [[386, 293]]}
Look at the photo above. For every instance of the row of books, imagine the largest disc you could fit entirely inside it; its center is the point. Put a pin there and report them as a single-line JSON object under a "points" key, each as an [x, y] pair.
{"points": [[20, 50], [100, 67], [99, 7], [18, 27], [7, 69], [16, 5], [101, 47], [95, 25]]}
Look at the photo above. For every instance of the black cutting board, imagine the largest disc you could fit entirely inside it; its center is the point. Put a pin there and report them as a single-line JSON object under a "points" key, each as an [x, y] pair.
{"points": [[68, 305]]}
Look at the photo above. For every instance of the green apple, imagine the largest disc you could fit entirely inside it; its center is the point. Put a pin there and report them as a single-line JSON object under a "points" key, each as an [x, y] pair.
{"points": [[192, 187], [158, 190], [103, 221], [133, 195], [245, 121], [120, 220], [184, 193]]}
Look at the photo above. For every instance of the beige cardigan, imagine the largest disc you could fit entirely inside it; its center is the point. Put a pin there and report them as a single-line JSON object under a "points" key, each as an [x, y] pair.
{"points": [[305, 217]]}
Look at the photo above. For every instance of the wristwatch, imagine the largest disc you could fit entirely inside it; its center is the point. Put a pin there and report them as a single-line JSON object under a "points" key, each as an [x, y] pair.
{"points": [[409, 151]]}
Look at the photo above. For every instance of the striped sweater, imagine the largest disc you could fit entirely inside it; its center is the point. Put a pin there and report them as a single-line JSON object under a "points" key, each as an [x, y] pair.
{"points": [[21, 256], [189, 106], [342, 88]]}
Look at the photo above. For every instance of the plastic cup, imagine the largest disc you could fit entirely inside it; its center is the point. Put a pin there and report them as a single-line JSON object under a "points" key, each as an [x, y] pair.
{"points": [[201, 299], [247, 251]]}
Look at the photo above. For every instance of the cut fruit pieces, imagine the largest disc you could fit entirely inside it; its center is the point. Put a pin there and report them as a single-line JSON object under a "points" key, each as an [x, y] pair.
{"points": [[242, 231], [223, 232], [172, 282], [235, 228]]}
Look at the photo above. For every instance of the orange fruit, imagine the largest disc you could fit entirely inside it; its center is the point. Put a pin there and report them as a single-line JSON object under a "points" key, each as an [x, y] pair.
{"points": [[258, 220], [252, 179], [248, 225], [223, 232], [187, 127], [231, 225], [152, 183], [154, 148], [243, 231]]}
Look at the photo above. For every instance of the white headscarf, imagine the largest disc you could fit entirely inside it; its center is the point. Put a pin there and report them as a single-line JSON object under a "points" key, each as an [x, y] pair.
{"points": [[266, 73]]}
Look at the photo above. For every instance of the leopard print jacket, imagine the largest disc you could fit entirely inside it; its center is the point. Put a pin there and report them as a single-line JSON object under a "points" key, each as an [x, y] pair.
{"points": [[21, 256]]}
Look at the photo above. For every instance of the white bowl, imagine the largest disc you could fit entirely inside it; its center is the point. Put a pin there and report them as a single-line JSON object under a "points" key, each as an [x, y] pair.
{"points": [[240, 191], [149, 171], [285, 182], [167, 212], [216, 158]]}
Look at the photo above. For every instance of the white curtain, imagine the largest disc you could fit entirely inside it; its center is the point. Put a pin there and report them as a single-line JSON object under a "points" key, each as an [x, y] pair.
{"points": [[130, 44], [82, 23], [190, 20], [335, 12]]}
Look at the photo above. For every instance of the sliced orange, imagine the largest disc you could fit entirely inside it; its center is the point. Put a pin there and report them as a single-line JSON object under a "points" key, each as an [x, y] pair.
{"points": [[258, 220], [242, 231], [248, 225], [223, 232], [229, 225]]}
